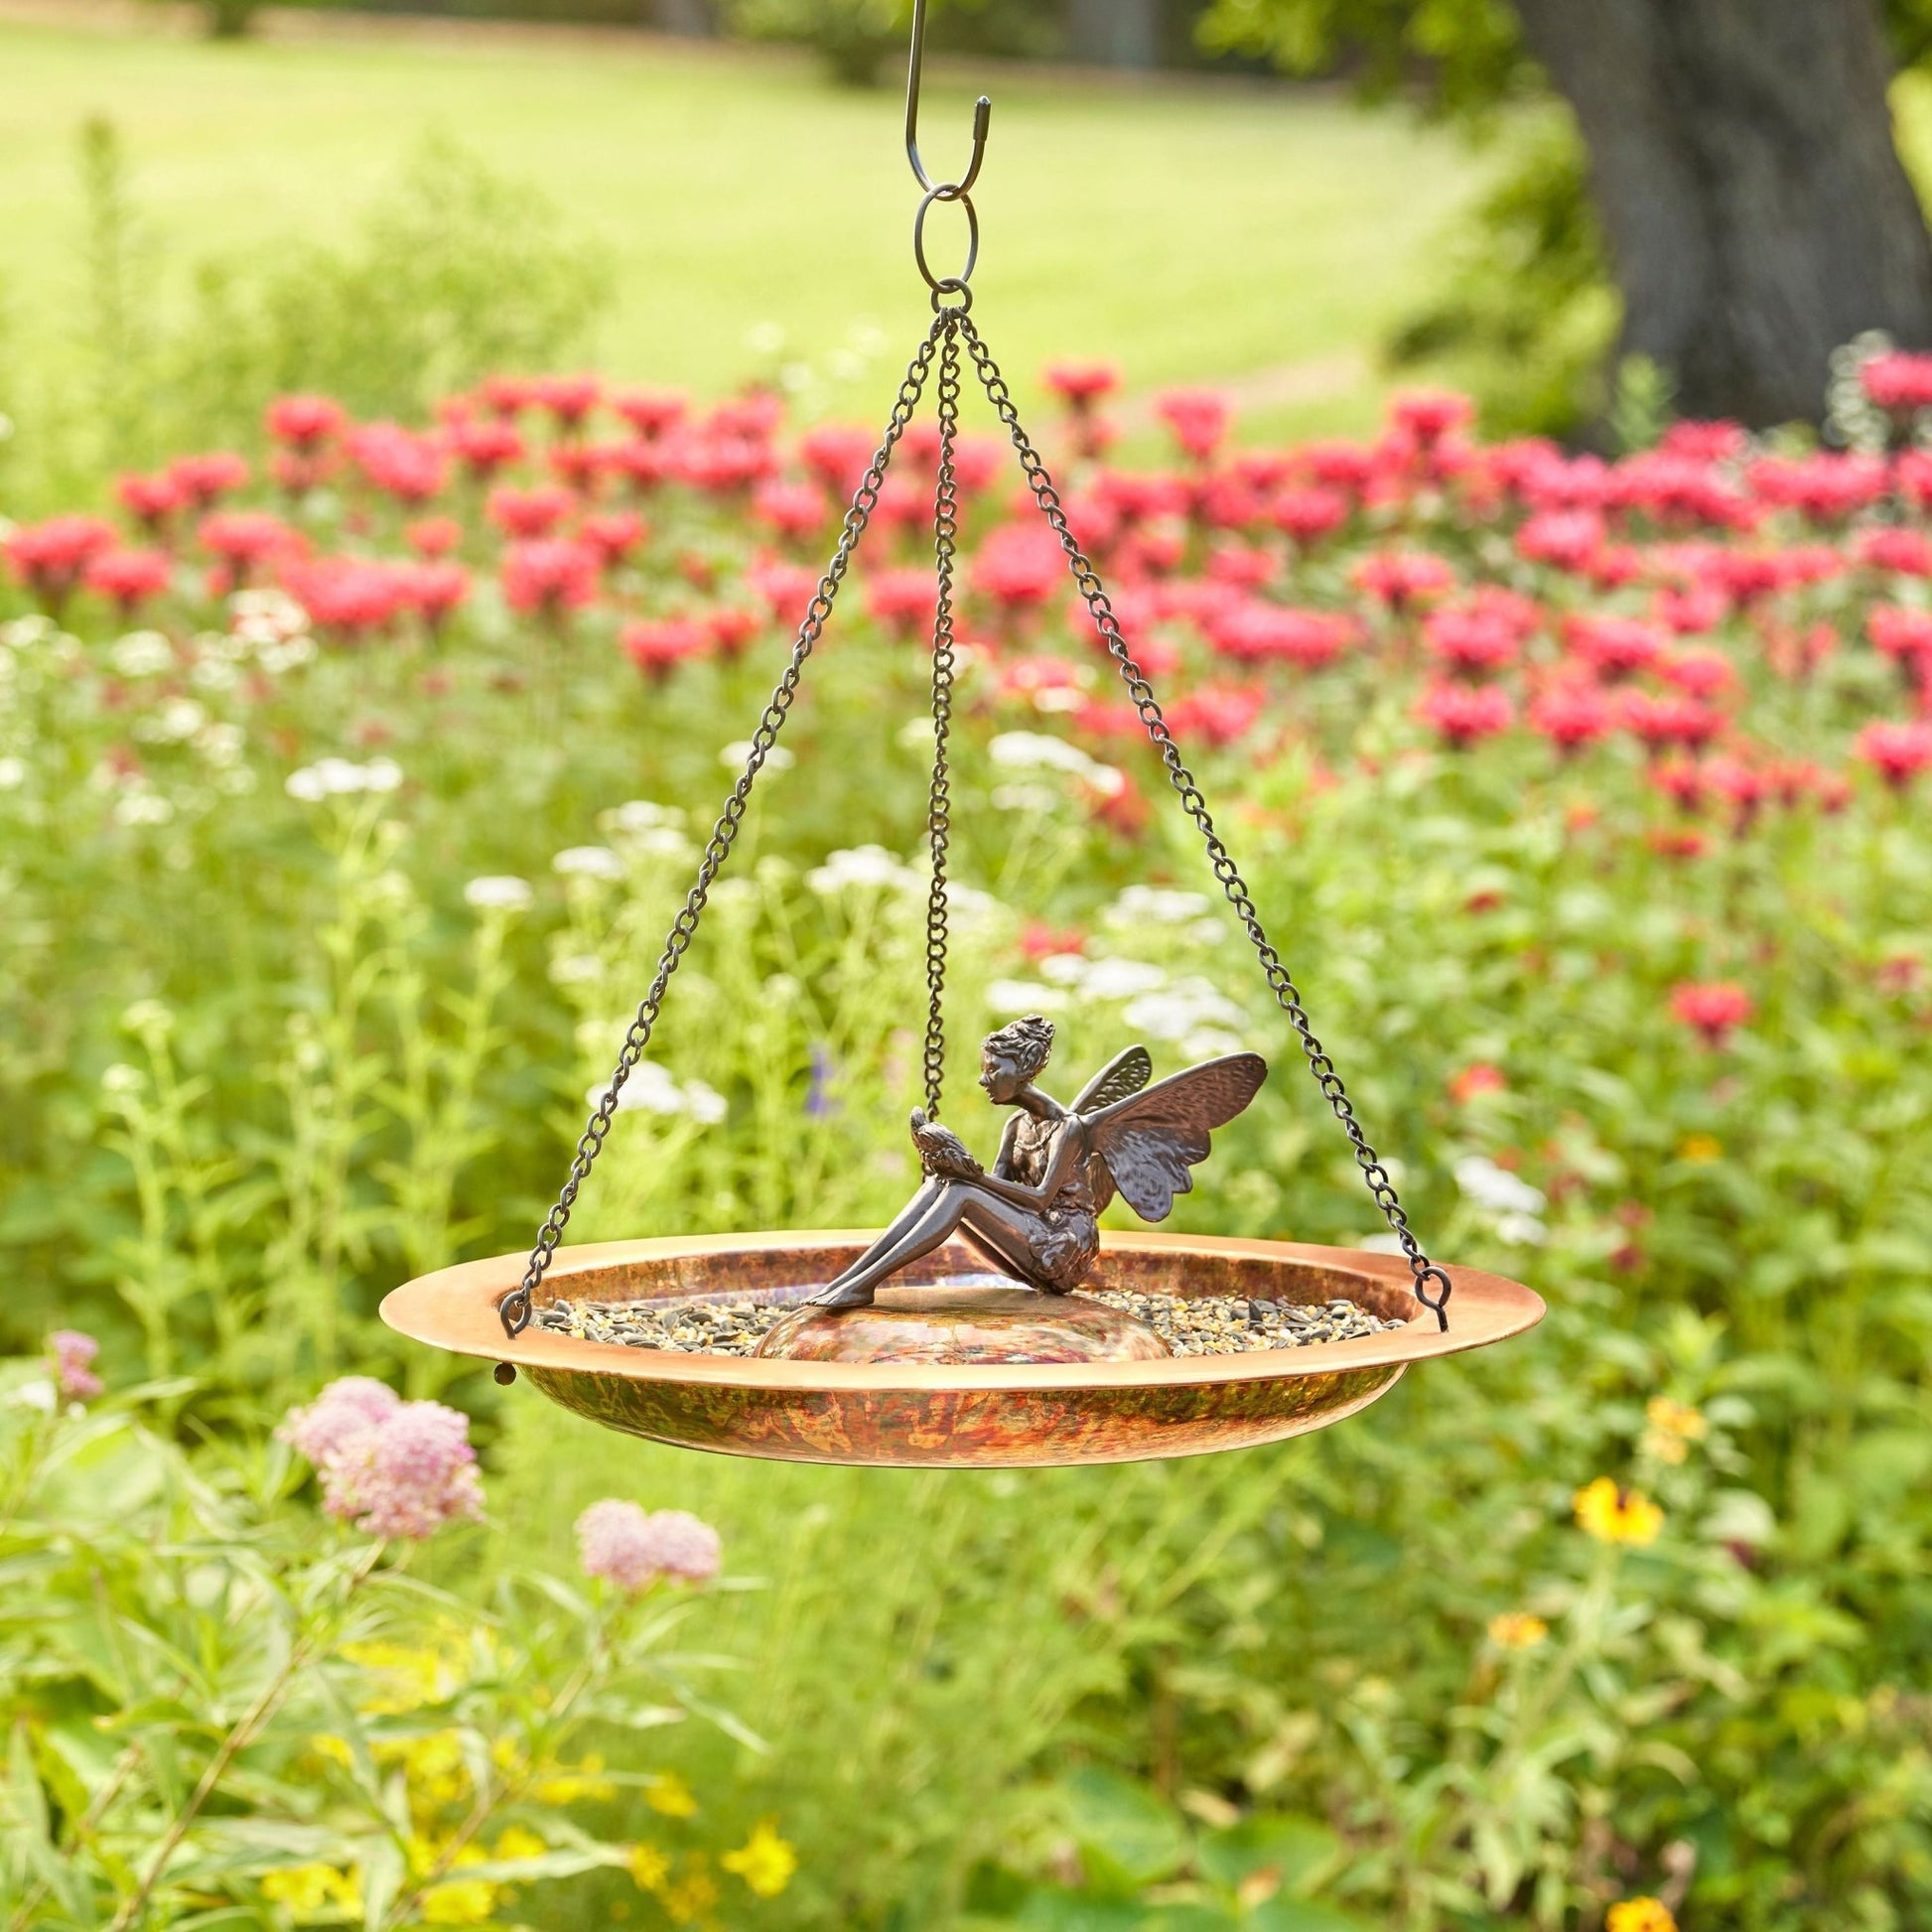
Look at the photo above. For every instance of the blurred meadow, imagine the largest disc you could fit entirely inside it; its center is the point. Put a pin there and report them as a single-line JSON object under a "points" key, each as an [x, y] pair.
{"points": [[408, 504]]}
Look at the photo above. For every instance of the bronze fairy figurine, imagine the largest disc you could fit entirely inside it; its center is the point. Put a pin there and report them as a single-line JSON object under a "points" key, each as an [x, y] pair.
{"points": [[1036, 1215]]}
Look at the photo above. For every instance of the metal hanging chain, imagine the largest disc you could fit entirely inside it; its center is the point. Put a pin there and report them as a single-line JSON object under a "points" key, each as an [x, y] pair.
{"points": [[945, 532], [515, 1308], [1233, 886]]}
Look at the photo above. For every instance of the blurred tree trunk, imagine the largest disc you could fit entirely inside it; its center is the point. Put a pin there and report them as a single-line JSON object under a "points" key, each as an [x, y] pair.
{"points": [[1114, 33], [227, 20], [1742, 162]]}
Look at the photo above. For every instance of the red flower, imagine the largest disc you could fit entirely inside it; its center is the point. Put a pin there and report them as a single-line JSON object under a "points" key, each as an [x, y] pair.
{"points": [[1464, 713], [433, 590], [1714, 441], [528, 512], [1471, 642], [49, 557], [1038, 941], [202, 480], [901, 599], [1428, 415], [651, 412], [129, 577], [787, 589], [1309, 514], [1713, 1007], [1905, 636], [1246, 566], [351, 597], [507, 395], [1020, 566], [1567, 539], [246, 539], [551, 574], [1572, 715], [657, 646], [838, 455], [1252, 633], [795, 509], [1897, 753], [1400, 578], [1898, 381], [407, 467], [612, 535], [1081, 384], [1216, 713], [1613, 647], [1702, 673], [1198, 418], [305, 421], [1478, 1078], [484, 448], [731, 628], [151, 499], [1906, 553], [1825, 488], [1664, 721], [569, 398], [434, 536]]}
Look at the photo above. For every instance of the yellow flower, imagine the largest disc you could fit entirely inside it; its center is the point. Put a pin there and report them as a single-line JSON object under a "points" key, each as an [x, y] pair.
{"points": [[460, 1901], [407, 1676], [567, 1785], [332, 1749], [301, 1888], [668, 1793], [693, 1896], [1700, 1148], [1517, 1630], [649, 1866], [764, 1860], [518, 1841], [1677, 1418], [1615, 1515], [1641, 1915], [434, 1769]]}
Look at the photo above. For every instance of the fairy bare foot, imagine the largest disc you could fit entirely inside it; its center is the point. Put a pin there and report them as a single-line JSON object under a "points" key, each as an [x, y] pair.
{"points": [[833, 1296]]}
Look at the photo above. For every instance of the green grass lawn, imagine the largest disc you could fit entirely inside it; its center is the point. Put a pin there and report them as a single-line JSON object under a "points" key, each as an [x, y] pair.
{"points": [[1189, 231]]}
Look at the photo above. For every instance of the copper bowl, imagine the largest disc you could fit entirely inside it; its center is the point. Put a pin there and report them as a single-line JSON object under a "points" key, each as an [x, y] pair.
{"points": [[929, 1416]]}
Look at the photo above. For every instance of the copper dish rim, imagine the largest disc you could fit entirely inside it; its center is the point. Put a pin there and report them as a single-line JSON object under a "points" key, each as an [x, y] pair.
{"points": [[455, 1309]]}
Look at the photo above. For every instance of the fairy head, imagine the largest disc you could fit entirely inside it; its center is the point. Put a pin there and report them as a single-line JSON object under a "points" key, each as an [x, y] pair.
{"points": [[1015, 1055]]}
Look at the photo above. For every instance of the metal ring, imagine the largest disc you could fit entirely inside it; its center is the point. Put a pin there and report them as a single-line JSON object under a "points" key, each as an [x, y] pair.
{"points": [[951, 284]]}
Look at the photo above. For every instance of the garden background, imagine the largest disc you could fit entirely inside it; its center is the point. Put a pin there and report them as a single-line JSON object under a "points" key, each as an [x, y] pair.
{"points": [[370, 675]]}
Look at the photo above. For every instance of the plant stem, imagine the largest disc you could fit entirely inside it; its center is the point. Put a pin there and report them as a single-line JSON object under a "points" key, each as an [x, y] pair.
{"points": [[242, 1735]]}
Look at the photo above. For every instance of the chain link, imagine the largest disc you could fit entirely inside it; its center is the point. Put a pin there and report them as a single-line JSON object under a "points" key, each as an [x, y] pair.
{"points": [[515, 1308], [945, 532], [1426, 1275]]}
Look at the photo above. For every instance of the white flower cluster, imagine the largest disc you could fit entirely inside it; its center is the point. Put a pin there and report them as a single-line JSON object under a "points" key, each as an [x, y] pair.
{"points": [[13, 774], [1191, 1012], [588, 862], [1038, 751], [735, 758], [650, 831], [1516, 1207], [498, 893], [337, 777], [652, 1090], [865, 866], [171, 721], [142, 653]]}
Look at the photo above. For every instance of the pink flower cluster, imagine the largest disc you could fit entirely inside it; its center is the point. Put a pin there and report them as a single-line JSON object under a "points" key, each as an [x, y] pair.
{"points": [[633, 1548], [395, 1468], [72, 1355]]}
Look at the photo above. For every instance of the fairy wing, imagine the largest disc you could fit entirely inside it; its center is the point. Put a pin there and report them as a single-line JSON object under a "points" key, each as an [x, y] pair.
{"points": [[1126, 1073], [1148, 1141]]}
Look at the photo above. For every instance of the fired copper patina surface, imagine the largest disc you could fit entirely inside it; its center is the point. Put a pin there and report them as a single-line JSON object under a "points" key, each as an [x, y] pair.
{"points": [[958, 1415]]}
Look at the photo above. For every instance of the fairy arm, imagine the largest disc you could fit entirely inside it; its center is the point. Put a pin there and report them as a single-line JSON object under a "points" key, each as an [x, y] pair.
{"points": [[1069, 1148], [1002, 1168]]}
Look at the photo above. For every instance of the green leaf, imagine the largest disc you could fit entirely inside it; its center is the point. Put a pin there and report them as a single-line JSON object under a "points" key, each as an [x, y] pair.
{"points": [[1300, 1851], [1283, 1914], [1124, 1827]]}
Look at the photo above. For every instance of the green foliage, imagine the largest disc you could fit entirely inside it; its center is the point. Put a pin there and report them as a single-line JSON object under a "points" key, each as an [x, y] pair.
{"points": [[852, 38], [225, 1710], [1526, 313]]}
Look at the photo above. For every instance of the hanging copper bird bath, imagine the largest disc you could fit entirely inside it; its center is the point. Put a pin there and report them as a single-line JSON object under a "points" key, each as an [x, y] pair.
{"points": [[991, 1325]]}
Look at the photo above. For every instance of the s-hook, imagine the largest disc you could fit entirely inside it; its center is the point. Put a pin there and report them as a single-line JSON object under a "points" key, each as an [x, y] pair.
{"points": [[946, 190]]}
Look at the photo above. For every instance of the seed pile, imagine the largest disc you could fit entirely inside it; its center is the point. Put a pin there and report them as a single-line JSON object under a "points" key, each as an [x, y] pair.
{"points": [[1228, 1324], [684, 1327], [1222, 1324]]}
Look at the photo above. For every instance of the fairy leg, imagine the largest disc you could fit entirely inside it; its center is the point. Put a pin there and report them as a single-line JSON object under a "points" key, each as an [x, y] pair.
{"points": [[934, 1215]]}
